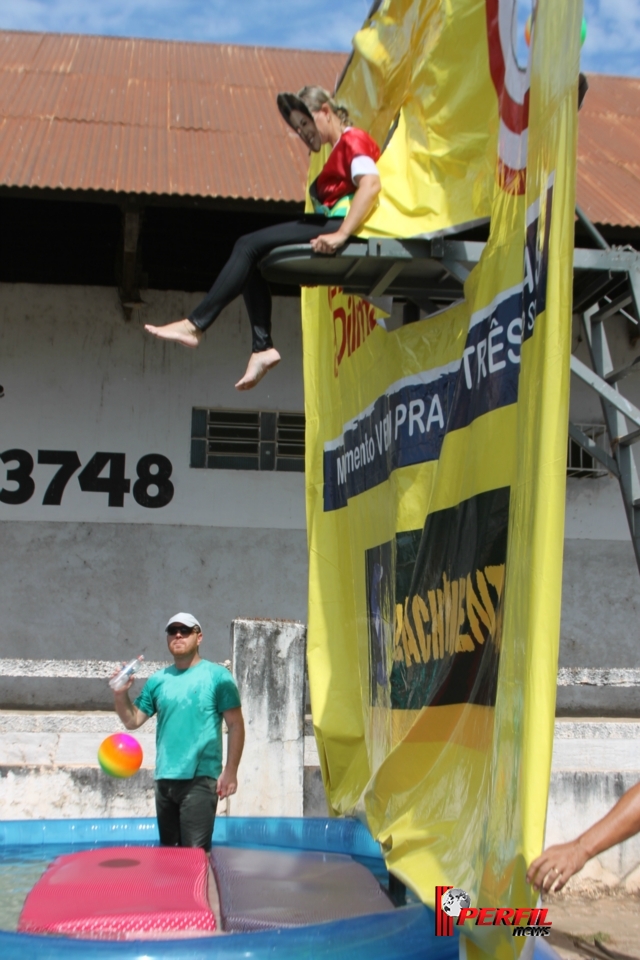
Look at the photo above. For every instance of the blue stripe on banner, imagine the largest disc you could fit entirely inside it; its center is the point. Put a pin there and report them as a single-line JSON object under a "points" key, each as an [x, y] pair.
{"points": [[408, 423], [491, 360]]}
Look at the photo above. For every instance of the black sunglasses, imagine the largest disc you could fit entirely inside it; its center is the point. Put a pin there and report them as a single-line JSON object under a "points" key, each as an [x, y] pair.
{"points": [[178, 628]]}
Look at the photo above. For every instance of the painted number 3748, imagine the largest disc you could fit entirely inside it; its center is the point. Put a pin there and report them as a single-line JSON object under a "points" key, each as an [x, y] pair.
{"points": [[153, 488]]}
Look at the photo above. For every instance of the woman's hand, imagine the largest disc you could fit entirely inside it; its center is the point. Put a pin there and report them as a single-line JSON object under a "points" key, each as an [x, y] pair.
{"points": [[329, 242], [364, 200], [557, 865]]}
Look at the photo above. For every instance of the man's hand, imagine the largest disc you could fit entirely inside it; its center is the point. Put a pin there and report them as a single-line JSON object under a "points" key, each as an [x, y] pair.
{"points": [[131, 716], [127, 686], [228, 779], [227, 784], [553, 868], [329, 242]]}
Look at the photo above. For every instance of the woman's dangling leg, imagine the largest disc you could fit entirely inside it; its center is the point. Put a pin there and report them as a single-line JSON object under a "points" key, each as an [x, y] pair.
{"points": [[257, 296], [233, 277], [228, 285], [264, 356], [257, 300], [248, 251]]}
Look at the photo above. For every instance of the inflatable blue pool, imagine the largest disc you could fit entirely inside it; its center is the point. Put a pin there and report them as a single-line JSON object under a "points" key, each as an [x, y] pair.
{"points": [[405, 933]]}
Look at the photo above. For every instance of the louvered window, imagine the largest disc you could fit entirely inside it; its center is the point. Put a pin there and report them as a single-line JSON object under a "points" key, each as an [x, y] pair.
{"points": [[247, 440]]}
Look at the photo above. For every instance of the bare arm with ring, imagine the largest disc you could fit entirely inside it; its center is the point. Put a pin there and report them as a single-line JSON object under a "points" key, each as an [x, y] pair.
{"points": [[556, 865]]}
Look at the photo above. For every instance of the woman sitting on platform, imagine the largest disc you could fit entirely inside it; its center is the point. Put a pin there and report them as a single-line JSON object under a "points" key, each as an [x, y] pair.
{"points": [[343, 195]]}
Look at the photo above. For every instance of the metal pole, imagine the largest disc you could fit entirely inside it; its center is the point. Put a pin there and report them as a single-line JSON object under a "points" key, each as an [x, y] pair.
{"points": [[591, 230]]}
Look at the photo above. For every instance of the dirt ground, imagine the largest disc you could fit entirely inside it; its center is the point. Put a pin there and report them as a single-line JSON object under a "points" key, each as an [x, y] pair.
{"points": [[611, 919]]}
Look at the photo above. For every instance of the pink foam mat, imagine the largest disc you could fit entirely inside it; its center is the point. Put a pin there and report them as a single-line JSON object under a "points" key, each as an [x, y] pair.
{"points": [[122, 893]]}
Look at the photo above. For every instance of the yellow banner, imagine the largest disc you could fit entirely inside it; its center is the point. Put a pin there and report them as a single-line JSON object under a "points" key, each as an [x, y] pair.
{"points": [[420, 81], [435, 507]]}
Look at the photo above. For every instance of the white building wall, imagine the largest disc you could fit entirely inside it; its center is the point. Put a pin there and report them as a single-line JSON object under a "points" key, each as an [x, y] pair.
{"points": [[84, 579]]}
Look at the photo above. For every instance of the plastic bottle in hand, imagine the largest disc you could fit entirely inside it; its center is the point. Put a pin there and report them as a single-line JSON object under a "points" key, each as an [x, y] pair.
{"points": [[122, 677]]}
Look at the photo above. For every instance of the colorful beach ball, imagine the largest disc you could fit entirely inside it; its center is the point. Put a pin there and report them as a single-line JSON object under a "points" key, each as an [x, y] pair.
{"points": [[120, 755]]}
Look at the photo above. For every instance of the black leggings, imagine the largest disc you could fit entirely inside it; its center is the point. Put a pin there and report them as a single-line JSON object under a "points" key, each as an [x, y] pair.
{"points": [[240, 275]]}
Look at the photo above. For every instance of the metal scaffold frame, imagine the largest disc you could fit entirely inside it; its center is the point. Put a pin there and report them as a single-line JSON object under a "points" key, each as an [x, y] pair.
{"points": [[429, 275], [606, 283]]}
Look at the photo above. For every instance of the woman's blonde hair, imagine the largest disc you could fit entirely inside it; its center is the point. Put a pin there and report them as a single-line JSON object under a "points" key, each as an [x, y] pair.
{"points": [[316, 97]]}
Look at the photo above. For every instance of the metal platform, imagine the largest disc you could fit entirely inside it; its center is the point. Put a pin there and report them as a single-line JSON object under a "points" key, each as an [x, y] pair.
{"points": [[430, 273]]}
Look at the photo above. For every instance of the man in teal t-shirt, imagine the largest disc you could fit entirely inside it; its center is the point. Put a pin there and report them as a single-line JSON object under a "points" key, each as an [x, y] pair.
{"points": [[191, 699]]}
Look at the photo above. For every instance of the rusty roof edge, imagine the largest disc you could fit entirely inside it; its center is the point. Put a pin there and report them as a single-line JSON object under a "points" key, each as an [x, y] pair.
{"points": [[162, 42], [610, 76], [221, 202], [122, 198], [630, 228]]}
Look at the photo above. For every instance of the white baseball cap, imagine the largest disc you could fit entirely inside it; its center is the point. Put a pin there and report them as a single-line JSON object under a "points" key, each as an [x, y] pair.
{"points": [[187, 619]]}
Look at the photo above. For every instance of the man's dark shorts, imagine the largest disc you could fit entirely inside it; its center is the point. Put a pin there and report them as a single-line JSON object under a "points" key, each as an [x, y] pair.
{"points": [[186, 810]]}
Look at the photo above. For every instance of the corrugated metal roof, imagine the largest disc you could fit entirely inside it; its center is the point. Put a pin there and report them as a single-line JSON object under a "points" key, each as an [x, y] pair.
{"points": [[609, 151], [150, 116], [199, 119]]}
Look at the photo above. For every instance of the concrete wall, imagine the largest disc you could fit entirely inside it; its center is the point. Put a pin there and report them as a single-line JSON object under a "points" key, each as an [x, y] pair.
{"points": [[105, 591], [49, 767], [269, 667], [600, 598], [594, 762], [48, 763], [86, 580]]}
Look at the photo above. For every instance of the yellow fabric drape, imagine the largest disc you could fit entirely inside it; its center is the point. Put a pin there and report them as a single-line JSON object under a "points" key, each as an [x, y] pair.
{"points": [[436, 478], [424, 64]]}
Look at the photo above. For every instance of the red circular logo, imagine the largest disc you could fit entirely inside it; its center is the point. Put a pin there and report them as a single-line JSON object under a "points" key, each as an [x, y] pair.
{"points": [[512, 86]]}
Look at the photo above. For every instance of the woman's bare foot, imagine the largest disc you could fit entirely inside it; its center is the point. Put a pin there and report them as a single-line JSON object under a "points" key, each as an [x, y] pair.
{"points": [[259, 364], [181, 331]]}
